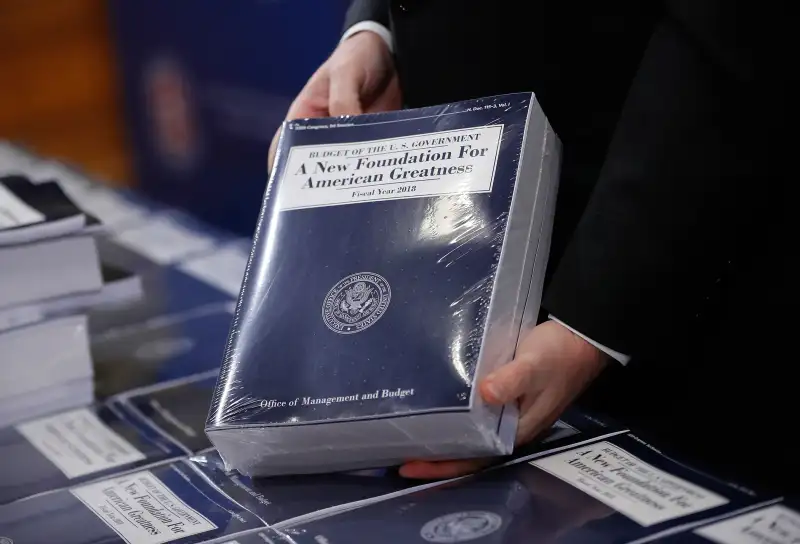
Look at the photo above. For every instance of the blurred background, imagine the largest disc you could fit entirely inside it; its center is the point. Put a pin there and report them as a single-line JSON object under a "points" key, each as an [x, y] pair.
{"points": [[176, 98]]}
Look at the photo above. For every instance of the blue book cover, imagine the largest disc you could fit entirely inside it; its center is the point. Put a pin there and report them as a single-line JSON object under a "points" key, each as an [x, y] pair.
{"points": [[616, 490], [159, 349], [76, 446], [178, 408], [396, 258], [168, 504], [200, 118], [774, 523]]}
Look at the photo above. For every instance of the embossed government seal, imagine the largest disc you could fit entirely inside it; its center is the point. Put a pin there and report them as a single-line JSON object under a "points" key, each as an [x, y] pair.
{"points": [[356, 302], [461, 527], [5, 540]]}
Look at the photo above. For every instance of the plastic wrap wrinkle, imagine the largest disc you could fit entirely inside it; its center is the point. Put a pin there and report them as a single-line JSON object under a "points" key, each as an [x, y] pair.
{"points": [[462, 249]]}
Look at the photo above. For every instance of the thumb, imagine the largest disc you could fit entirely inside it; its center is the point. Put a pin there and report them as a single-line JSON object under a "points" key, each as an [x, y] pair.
{"points": [[511, 381], [343, 95]]}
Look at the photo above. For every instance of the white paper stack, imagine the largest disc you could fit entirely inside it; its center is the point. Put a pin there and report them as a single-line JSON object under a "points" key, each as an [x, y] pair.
{"points": [[47, 367], [48, 263], [50, 276], [47, 245], [119, 287]]}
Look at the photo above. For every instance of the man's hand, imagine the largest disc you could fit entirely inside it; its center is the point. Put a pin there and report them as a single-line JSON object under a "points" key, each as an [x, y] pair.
{"points": [[553, 366], [359, 77]]}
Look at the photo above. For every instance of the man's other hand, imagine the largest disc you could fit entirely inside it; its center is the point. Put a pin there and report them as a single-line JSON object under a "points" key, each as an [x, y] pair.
{"points": [[358, 77], [552, 367]]}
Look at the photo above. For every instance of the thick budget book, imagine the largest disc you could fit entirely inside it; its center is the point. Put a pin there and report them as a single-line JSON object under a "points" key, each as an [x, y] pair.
{"points": [[397, 258]]}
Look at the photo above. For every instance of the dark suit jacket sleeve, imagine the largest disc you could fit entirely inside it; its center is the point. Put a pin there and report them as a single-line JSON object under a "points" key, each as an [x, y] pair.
{"points": [[367, 10], [672, 196]]}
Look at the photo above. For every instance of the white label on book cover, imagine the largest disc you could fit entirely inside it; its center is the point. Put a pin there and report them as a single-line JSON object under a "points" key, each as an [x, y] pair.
{"points": [[434, 164], [142, 510], [78, 443], [164, 240], [773, 525], [223, 269], [15, 212], [635, 489]]}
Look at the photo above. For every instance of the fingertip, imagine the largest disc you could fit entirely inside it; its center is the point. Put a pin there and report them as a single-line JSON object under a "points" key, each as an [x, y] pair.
{"points": [[416, 470], [489, 391], [440, 470], [503, 385], [423, 470]]}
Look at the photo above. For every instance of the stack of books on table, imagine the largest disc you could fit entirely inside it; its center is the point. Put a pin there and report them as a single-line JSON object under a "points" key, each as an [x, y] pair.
{"points": [[50, 275], [185, 274], [116, 474]]}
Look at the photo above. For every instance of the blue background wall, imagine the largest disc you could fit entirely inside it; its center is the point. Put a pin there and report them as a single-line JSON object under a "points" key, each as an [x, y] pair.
{"points": [[206, 84]]}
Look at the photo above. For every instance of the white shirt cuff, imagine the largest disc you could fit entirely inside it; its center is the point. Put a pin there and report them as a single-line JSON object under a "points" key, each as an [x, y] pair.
{"points": [[371, 26], [621, 357]]}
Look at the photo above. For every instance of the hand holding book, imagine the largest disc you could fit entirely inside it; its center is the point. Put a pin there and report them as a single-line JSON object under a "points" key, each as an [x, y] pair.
{"points": [[552, 367], [359, 77]]}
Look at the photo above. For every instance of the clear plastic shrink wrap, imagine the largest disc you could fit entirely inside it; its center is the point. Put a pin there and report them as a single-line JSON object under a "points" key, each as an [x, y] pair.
{"points": [[397, 260]]}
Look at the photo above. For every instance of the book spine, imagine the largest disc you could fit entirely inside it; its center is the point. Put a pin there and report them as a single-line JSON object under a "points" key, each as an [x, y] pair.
{"points": [[216, 414]]}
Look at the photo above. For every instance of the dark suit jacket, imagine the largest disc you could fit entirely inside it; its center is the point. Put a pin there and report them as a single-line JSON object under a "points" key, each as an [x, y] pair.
{"points": [[671, 241]]}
